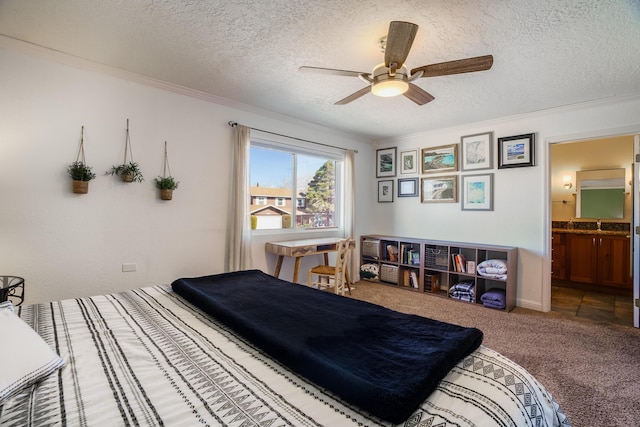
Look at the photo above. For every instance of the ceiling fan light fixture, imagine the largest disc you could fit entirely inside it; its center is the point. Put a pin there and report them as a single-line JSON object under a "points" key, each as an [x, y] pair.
{"points": [[390, 87], [387, 85]]}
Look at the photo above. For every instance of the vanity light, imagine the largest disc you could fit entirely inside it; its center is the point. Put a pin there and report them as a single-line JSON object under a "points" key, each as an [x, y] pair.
{"points": [[566, 182]]}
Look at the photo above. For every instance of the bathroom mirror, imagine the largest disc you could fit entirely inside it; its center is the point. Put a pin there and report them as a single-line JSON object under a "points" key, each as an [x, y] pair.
{"points": [[600, 193]]}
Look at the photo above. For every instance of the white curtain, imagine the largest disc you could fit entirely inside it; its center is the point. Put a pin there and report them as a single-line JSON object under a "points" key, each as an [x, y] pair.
{"points": [[239, 237], [350, 208]]}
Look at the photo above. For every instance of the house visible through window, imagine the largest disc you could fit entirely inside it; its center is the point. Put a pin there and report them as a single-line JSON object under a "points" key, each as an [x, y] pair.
{"points": [[293, 188]]}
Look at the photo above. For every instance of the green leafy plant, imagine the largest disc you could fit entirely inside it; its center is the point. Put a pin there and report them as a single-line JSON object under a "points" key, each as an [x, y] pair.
{"points": [[78, 171], [166, 183], [128, 172]]}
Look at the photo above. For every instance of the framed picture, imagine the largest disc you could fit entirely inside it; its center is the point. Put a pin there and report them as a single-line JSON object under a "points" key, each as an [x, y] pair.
{"points": [[440, 159], [476, 152], [407, 187], [516, 151], [386, 162], [477, 192], [440, 189], [409, 161], [385, 191]]}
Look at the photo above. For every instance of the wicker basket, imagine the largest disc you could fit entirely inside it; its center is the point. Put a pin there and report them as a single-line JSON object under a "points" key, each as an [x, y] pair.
{"points": [[436, 257], [371, 248], [389, 273]]}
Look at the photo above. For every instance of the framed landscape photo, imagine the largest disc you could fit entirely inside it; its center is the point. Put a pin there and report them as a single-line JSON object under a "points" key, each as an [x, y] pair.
{"points": [[407, 187], [516, 151], [440, 159], [477, 192], [386, 162], [440, 189], [476, 151], [385, 191], [409, 162]]}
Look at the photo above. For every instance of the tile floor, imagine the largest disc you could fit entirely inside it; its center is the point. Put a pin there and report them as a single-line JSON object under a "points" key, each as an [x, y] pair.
{"points": [[612, 306]]}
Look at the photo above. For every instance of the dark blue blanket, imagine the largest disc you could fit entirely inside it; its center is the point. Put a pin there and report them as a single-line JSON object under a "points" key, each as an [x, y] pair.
{"points": [[381, 360]]}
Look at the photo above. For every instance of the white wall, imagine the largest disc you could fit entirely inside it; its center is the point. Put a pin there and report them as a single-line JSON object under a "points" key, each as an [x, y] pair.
{"points": [[67, 245], [521, 215]]}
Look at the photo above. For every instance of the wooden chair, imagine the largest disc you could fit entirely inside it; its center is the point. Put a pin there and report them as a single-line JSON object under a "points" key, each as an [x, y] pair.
{"points": [[333, 276]]}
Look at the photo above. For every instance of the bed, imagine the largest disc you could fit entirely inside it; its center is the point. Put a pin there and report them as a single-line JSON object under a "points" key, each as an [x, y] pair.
{"points": [[201, 353]]}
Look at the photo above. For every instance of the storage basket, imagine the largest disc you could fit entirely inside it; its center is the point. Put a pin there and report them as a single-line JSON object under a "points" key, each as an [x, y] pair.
{"points": [[436, 257], [371, 248], [389, 273], [431, 282]]}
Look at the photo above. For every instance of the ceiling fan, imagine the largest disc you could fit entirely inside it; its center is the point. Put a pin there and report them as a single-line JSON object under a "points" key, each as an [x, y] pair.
{"points": [[392, 78]]}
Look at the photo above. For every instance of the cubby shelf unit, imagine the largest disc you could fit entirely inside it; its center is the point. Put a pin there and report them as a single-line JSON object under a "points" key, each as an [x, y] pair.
{"points": [[423, 265]]}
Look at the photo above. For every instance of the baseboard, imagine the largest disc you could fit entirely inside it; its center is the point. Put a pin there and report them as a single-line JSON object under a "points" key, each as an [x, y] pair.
{"points": [[528, 304]]}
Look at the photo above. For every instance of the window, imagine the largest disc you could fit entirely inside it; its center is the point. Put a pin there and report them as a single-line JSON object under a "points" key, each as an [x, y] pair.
{"points": [[261, 200], [302, 184]]}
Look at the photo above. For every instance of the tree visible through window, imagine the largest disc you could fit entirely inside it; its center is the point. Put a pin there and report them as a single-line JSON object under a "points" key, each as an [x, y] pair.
{"points": [[292, 189]]}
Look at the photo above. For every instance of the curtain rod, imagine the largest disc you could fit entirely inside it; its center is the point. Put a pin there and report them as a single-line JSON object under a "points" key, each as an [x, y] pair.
{"points": [[234, 124]]}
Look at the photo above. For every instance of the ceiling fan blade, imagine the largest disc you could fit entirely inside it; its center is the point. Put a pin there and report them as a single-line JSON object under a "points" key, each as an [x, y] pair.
{"points": [[332, 71], [469, 65], [418, 95], [354, 96], [399, 41]]}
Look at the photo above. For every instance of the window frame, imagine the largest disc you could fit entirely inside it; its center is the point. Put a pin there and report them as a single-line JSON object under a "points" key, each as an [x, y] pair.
{"points": [[328, 153]]}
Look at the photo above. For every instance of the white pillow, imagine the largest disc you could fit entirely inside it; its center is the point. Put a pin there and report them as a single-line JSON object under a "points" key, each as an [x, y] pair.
{"points": [[25, 358]]}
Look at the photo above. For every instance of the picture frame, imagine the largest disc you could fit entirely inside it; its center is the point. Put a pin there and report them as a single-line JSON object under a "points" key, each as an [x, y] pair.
{"points": [[386, 162], [476, 151], [385, 191], [408, 187], [441, 189], [440, 159], [516, 151], [408, 162], [477, 192]]}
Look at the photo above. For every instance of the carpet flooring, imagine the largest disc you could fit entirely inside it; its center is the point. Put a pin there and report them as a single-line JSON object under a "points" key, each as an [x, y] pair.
{"points": [[591, 368]]}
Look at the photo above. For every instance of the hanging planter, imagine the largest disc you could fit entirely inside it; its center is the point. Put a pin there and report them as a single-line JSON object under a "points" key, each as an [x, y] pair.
{"points": [[128, 171], [79, 172], [166, 183]]}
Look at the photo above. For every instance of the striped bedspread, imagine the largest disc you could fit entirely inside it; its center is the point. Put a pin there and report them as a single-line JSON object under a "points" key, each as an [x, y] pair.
{"points": [[147, 357]]}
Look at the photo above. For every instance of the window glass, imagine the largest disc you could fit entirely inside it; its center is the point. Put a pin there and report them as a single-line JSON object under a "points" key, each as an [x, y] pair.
{"points": [[292, 189]]}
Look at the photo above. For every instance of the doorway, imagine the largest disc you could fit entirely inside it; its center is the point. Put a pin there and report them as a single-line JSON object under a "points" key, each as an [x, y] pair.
{"points": [[586, 251]]}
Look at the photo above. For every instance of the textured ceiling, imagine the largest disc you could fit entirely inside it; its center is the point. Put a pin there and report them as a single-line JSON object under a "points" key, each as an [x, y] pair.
{"points": [[547, 53]]}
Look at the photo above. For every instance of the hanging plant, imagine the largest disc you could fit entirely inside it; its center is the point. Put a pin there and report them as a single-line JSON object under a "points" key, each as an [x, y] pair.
{"points": [[128, 171], [166, 183], [79, 172]]}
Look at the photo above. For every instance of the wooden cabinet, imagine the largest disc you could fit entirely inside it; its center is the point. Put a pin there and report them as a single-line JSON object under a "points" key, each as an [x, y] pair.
{"points": [[434, 266], [599, 259], [558, 256], [614, 261]]}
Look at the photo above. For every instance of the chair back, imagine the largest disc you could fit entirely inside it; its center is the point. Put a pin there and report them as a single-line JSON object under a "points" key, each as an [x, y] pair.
{"points": [[342, 260]]}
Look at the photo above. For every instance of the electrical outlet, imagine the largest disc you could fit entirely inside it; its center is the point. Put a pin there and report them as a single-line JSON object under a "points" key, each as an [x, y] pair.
{"points": [[126, 268]]}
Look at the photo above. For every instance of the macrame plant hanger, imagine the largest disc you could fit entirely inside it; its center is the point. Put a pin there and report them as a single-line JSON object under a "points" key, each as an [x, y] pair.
{"points": [[127, 147], [80, 186], [166, 162], [165, 193], [81, 149]]}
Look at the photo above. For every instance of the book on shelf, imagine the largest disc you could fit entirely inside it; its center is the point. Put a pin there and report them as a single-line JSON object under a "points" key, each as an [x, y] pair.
{"points": [[392, 253], [471, 267], [459, 263], [406, 280], [414, 279]]}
